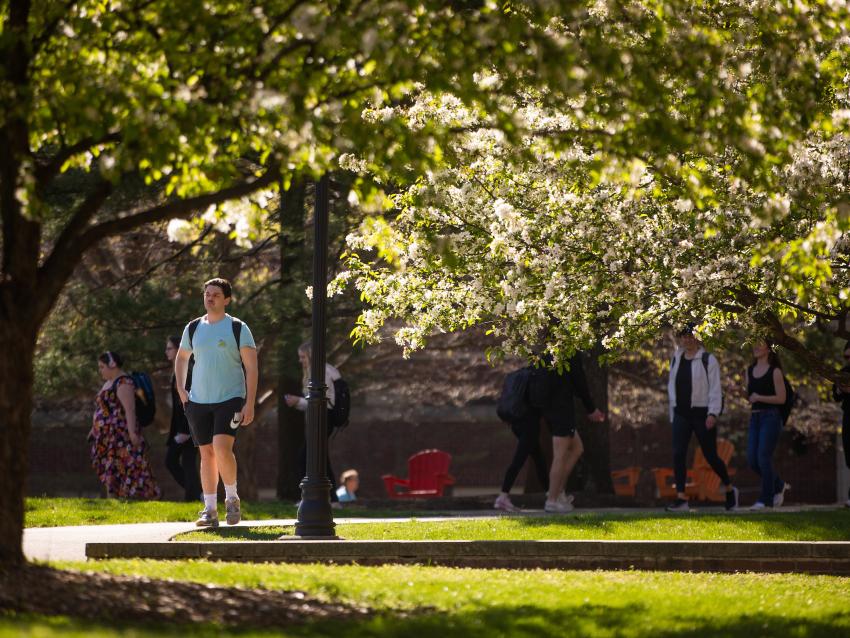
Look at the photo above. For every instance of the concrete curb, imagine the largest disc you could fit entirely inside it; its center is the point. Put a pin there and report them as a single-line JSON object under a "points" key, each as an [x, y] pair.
{"points": [[699, 556]]}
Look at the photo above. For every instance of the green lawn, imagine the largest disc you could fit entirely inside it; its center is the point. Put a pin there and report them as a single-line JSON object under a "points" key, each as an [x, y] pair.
{"points": [[54, 512], [800, 526], [468, 602]]}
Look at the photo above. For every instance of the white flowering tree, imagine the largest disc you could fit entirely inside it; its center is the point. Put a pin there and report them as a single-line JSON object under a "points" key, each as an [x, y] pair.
{"points": [[601, 228]]}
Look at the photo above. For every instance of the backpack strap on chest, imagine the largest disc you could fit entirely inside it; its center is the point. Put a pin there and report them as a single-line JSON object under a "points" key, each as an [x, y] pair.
{"points": [[193, 328]]}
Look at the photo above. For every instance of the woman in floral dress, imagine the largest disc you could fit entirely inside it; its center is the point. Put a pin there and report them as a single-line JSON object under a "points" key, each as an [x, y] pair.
{"points": [[118, 450]]}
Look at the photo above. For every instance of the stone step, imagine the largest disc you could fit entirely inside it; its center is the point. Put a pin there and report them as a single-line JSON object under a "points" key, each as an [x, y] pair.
{"points": [[698, 556]]}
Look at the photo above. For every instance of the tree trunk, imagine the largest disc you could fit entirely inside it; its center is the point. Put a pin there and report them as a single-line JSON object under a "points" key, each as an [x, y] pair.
{"points": [[593, 470], [17, 352], [290, 437], [246, 468]]}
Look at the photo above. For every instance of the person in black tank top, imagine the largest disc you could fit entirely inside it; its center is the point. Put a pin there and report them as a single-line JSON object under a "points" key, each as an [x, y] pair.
{"points": [[766, 393]]}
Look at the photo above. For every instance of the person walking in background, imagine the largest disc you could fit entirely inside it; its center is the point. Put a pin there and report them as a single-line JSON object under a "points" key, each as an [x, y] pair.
{"points": [[305, 352], [181, 456], [696, 400], [558, 411], [527, 433], [221, 397], [349, 484], [766, 393], [118, 449], [841, 393]]}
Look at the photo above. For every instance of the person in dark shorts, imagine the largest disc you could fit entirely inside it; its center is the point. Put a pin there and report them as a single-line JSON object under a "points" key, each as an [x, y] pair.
{"points": [[559, 414], [696, 400], [221, 397], [841, 393]]}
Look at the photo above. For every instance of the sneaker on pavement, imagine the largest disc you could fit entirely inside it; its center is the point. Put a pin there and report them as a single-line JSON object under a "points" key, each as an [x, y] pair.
{"points": [[732, 499], [758, 505], [503, 502], [779, 497], [207, 518], [565, 498], [679, 505], [557, 507], [234, 511]]}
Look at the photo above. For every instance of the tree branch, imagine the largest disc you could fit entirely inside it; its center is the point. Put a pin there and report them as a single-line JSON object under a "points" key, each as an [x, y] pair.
{"points": [[777, 334], [69, 250], [177, 254], [47, 171]]}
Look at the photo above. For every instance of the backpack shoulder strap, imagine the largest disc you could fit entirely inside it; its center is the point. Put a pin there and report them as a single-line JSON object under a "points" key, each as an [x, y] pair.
{"points": [[118, 379], [193, 328], [237, 331], [705, 358]]}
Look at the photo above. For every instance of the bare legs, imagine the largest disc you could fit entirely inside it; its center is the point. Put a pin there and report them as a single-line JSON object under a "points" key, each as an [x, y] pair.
{"points": [[217, 460], [566, 451]]}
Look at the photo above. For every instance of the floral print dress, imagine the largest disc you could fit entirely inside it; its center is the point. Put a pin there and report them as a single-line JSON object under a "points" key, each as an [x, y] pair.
{"points": [[122, 467]]}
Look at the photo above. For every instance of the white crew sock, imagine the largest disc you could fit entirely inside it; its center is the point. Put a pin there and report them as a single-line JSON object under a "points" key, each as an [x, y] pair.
{"points": [[211, 502], [230, 491]]}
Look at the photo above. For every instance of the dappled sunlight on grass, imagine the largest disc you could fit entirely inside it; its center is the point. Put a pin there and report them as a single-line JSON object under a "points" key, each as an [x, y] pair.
{"points": [[453, 602]]}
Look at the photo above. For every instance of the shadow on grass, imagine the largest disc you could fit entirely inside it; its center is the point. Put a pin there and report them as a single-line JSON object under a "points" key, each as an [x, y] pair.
{"points": [[259, 533], [588, 620]]}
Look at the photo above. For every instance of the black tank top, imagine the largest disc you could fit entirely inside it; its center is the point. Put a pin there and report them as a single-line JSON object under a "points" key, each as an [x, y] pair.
{"points": [[761, 385]]}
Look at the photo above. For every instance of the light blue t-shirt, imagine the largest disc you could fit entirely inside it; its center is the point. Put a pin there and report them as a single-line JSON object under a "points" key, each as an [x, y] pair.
{"points": [[344, 495], [217, 375]]}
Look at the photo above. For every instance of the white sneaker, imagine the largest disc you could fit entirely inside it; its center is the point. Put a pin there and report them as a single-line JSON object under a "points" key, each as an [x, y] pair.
{"points": [[565, 498], [557, 507], [758, 505], [779, 497], [503, 502]]}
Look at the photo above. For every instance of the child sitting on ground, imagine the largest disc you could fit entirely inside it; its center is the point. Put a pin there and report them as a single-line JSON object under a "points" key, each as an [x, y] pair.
{"points": [[349, 483]]}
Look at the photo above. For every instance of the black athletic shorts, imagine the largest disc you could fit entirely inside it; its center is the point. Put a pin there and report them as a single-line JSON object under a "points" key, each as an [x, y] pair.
{"points": [[208, 419], [560, 419]]}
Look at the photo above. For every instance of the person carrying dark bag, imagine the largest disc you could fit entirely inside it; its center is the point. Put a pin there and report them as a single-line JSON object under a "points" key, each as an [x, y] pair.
{"points": [[181, 455]]}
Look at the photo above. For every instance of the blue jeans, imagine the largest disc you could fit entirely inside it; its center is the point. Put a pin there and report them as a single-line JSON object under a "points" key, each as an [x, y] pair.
{"points": [[765, 427]]}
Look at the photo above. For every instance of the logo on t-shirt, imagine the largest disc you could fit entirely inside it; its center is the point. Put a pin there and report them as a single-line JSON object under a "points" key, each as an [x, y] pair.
{"points": [[221, 343]]}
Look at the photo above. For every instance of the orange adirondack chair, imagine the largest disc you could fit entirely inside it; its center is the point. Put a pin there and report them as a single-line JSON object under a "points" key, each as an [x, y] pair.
{"points": [[625, 480], [702, 482], [428, 474]]}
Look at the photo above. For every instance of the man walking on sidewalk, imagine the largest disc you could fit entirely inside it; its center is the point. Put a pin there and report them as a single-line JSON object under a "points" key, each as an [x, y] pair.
{"points": [[221, 395]]}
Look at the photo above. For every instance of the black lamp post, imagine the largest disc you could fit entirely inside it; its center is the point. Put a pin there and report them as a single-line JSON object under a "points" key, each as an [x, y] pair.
{"points": [[315, 519]]}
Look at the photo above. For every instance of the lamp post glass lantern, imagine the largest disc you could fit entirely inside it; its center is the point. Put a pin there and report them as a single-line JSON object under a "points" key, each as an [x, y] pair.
{"points": [[315, 517]]}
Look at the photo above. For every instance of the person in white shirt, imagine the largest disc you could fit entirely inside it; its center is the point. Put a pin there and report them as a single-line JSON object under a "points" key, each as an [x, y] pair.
{"points": [[696, 400], [305, 351]]}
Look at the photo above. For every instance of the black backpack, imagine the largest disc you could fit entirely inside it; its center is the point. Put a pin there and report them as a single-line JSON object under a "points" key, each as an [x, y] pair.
{"points": [[338, 416], [193, 328], [513, 405], [145, 397]]}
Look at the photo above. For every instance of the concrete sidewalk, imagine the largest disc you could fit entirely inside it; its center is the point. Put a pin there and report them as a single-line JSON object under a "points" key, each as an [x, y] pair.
{"points": [[69, 543]]}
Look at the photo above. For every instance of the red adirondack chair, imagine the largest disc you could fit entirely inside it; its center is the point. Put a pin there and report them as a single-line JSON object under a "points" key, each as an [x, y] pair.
{"points": [[428, 474]]}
